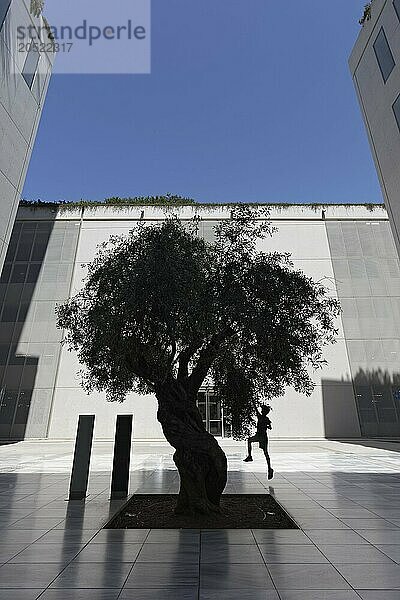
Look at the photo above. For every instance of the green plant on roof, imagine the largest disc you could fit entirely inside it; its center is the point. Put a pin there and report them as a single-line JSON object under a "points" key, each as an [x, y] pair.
{"points": [[367, 13], [37, 7]]}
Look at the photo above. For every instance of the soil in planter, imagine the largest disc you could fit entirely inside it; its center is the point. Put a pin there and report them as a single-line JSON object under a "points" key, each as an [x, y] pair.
{"points": [[239, 511]]}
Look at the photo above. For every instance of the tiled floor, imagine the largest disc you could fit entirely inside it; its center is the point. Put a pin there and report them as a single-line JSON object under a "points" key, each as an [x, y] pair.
{"points": [[345, 498]]}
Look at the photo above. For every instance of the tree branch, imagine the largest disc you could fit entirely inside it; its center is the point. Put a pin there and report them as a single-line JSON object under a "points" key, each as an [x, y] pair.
{"points": [[206, 359], [184, 359]]}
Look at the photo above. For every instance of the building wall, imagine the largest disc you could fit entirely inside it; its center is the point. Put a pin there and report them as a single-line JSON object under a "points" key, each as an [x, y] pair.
{"points": [[46, 263], [376, 98], [20, 110]]}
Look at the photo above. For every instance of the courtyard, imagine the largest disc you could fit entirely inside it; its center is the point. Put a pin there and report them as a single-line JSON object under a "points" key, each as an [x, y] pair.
{"points": [[344, 497]]}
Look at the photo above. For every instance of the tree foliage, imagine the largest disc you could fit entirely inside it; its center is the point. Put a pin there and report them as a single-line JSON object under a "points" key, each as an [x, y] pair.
{"points": [[163, 304]]}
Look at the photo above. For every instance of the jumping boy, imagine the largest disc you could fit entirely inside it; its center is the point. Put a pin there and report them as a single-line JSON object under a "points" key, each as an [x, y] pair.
{"points": [[263, 424]]}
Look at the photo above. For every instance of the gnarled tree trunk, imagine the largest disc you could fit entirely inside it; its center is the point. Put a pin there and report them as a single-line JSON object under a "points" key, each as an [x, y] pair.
{"points": [[200, 461]]}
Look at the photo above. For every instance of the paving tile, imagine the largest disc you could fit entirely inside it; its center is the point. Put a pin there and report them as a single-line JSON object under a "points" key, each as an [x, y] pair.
{"points": [[163, 575], [226, 576], [80, 594], [19, 594], [27, 576], [316, 523], [393, 551], [227, 536], [7, 551], [280, 536], [96, 575], [379, 595], [362, 554], [238, 595], [46, 553], [36, 523], [128, 536], [368, 523], [291, 553], [57, 536], [318, 595], [306, 577], [165, 553], [113, 552], [381, 536], [159, 594], [352, 513], [324, 537], [230, 553], [369, 577], [19, 536]]}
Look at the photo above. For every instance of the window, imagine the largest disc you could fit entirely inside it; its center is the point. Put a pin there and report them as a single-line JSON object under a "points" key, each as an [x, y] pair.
{"points": [[396, 4], [396, 110], [384, 55], [4, 6], [31, 64]]}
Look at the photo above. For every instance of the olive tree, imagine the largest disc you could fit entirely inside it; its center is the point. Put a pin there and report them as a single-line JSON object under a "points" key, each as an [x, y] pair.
{"points": [[162, 311]]}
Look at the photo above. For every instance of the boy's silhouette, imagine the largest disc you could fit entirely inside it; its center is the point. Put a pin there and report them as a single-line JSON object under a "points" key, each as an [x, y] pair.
{"points": [[263, 424]]}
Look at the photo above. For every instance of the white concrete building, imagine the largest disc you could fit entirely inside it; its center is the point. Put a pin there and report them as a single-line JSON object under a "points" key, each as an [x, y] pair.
{"points": [[375, 68], [24, 77], [357, 394]]}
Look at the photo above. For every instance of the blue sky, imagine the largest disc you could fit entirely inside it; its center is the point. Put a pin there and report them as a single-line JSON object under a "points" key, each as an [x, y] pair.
{"points": [[248, 100]]}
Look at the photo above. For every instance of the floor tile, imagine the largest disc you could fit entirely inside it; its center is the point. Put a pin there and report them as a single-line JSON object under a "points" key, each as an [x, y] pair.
{"points": [[280, 536], [47, 553], [80, 594], [368, 523], [19, 594], [113, 552], [315, 523], [19, 536], [46, 523], [166, 553], [238, 595], [295, 553], [323, 537], [379, 595], [392, 551], [381, 536], [159, 594], [306, 577], [27, 576], [163, 575], [95, 575], [227, 576], [165, 536], [369, 577], [318, 595], [230, 553], [227, 536], [7, 551], [130, 536], [56, 536], [363, 554]]}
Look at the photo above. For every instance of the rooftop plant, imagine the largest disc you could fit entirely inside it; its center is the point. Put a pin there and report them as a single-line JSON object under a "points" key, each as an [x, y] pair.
{"points": [[367, 13]]}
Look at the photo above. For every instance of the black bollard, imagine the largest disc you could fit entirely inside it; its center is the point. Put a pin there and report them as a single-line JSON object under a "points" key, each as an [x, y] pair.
{"points": [[122, 457], [83, 449]]}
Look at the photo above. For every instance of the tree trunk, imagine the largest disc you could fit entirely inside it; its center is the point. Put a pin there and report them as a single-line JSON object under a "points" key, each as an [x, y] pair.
{"points": [[200, 461]]}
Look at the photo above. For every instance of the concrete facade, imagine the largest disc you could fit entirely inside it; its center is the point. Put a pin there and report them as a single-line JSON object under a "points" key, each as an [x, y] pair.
{"points": [[350, 248], [22, 95], [375, 68]]}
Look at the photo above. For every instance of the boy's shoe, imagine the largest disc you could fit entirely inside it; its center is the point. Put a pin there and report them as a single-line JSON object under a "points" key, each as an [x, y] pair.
{"points": [[270, 473], [248, 459]]}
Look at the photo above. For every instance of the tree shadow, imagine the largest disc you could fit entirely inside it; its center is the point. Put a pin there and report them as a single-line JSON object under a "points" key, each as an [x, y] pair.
{"points": [[364, 410]]}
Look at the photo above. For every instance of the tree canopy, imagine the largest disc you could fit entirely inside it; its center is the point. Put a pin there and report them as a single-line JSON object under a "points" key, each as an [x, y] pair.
{"points": [[162, 305]]}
